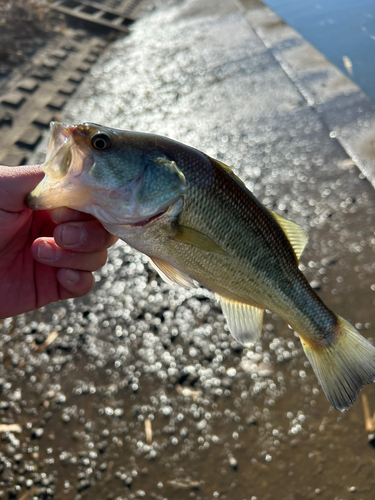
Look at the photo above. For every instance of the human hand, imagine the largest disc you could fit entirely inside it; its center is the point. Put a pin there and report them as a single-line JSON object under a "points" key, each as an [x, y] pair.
{"points": [[45, 256]]}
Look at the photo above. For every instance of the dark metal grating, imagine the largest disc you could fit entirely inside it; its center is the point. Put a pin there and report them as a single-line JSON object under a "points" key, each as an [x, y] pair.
{"points": [[96, 14]]}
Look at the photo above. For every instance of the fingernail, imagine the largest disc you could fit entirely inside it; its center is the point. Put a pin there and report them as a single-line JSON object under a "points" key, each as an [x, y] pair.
{"points": [[57, 213], [46, 251], [72, 276], [72, 235]]}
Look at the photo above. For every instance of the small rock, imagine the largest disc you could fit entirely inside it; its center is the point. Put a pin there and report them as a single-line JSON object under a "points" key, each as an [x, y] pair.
{"points": [[83, 485], [371, 439], [29, 483], [13, 492], [316, 285], [252, 420], [65, 418], [233, 462], [37, 433], [184, 432], [226, 382], [102, 446]]}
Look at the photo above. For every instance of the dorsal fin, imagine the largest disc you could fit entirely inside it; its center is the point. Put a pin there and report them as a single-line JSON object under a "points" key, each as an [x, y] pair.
{"points": [[245, 321], [295, 233], [228, 170], [171, 275]]}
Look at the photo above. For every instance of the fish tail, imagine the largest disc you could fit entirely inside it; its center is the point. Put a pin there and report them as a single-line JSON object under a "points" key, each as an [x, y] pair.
{"points": [[343, 365]]}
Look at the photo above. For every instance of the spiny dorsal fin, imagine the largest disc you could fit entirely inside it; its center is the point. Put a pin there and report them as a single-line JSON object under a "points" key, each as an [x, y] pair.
{"points": [[170, 274], [193, 237], [245, 321], [295, 233], [228, 170]]}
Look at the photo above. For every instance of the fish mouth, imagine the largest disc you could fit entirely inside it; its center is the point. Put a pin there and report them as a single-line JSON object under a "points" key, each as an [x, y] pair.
{"points": [[59, 133], [150, 219], [47, 196], [170, 212], [56, 189]]}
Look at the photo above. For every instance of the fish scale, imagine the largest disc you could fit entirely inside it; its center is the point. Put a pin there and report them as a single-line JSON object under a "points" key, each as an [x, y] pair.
{"points": [[225, 212], [197, 222]]}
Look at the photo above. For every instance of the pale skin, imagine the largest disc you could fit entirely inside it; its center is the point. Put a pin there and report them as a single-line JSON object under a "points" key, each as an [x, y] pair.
{"points": [[45, 256]]}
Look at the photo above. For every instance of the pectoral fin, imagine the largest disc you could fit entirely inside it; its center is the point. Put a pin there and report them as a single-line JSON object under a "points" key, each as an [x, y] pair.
{"points": [[195, 238], [295, 233], [245, 321], [171, 275]]}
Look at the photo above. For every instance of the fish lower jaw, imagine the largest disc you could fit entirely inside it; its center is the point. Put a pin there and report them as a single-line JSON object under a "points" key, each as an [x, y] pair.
{"points": [[170, 210], [127, 223], [50, 194], [144, 222]]}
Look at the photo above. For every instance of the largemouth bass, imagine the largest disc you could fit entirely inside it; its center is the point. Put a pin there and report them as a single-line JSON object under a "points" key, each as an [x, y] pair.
{"points": [[197, 222]]}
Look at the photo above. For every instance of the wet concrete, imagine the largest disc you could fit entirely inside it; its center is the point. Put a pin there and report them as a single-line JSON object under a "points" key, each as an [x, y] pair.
{"points": [[137, 355], [347, 112]]}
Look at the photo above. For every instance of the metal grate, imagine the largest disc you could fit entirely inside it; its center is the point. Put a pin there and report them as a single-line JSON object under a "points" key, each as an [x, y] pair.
{"points": [[96, 14]]}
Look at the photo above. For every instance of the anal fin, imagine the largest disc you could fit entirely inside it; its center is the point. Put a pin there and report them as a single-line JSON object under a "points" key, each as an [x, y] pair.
{"points": [[171, 275], [245, 321]]}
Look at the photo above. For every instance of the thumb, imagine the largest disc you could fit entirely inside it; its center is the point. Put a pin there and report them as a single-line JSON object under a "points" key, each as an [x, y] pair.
{"points": [[16, 183]]}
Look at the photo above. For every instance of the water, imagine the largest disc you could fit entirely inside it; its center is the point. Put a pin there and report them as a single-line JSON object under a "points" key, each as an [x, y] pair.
{"points": [[339, 29]]}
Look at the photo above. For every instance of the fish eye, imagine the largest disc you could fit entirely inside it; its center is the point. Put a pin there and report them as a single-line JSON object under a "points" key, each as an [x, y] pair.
{"points": [[101, 141]]}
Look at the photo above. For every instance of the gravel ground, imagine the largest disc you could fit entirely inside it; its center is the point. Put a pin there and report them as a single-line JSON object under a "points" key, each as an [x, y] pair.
{"points": [[143, 393], [25, 26]]}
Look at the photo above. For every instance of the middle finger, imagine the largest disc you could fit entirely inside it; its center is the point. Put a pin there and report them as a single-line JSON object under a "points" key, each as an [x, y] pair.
{"points": [[83, 236], [46, 251], [65, 214]]}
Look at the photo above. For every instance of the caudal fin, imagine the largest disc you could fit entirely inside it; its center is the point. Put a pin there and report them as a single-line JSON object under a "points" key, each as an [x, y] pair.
{"points": [[344, 367]]}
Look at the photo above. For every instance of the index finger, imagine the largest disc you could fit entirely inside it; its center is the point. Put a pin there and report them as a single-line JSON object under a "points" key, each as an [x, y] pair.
{"points": [[65, 214]]}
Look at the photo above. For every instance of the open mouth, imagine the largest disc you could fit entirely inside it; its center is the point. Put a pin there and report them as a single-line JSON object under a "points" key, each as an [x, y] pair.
{"points": [[58, 156], [59, 135], [151, 219]]}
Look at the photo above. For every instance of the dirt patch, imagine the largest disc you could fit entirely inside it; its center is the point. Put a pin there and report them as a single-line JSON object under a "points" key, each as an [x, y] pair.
{"points": [[24, 26]]}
